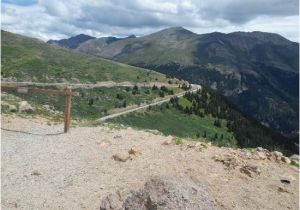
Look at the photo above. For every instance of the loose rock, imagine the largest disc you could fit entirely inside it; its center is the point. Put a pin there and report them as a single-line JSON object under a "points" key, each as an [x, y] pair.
{"points": [[162, 193], [231, 162], [277, 155], [113, 201], [250, 170], [12, 108], [168, 142], [281, 189], [24, 106], [134, 151], [121, 157], [36, 173], [295, 158], [285, 160]]}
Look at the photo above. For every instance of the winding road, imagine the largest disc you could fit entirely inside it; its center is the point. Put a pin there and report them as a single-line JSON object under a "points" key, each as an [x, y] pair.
{"points": [[166, 99], [113, 84]]}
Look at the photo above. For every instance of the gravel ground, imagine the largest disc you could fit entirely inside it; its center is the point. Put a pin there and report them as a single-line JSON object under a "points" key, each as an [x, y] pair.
{"points": [[75, 170]]}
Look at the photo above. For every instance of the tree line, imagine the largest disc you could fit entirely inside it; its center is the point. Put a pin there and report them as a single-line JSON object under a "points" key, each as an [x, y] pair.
{"points": [[247, 131]]}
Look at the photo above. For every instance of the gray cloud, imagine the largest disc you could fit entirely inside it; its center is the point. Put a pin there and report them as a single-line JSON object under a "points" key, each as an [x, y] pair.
{"points": [[63, 18], [246, 10]]}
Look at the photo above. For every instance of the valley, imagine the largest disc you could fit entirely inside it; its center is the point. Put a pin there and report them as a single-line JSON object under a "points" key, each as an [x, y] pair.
{"points": [[149, 105], [256, 71]]}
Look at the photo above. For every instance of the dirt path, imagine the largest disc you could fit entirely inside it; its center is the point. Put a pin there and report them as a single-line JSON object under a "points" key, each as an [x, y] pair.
{"points": [[75, 170], [166, 99]]}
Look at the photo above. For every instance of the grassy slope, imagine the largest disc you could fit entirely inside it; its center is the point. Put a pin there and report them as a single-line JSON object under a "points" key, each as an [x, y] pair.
{"points": [[94, 103], [28, 59], [172, 122]]}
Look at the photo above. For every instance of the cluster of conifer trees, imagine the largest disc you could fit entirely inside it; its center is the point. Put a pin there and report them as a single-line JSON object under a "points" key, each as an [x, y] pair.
{"points": [[247, 131]]}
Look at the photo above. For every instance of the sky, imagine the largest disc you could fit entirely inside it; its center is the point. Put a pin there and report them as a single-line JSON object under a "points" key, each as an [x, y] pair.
{"points": [[57, 19]]}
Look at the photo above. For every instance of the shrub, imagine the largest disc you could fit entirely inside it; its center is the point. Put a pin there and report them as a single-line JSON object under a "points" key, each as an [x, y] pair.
{"points": [[154, 87], [178, 141], [161, 94], [217, 123], [91, 102], [124, 104], [119, 96]]}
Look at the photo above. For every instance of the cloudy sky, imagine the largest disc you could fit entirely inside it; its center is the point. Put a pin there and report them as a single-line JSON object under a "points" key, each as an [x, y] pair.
{"points": [[56, 19]]}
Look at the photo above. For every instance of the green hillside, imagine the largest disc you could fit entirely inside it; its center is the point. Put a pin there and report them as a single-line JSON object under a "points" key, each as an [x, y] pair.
{"points": [[91, 104], [206, 114], [257, 71], [28, 59]]}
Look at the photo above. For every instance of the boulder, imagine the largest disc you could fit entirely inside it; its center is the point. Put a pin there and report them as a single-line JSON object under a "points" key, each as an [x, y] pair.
{"points": [[295, 157], [12, 108], [162, 193], [113, 201], [277, 155], [24, 106], [286, 160]]}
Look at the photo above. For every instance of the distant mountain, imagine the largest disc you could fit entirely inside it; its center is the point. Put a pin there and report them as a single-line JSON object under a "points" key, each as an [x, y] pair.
{"points": [[28, 59], [72, 42], [75, 41], [257, 71], [94, 46]]}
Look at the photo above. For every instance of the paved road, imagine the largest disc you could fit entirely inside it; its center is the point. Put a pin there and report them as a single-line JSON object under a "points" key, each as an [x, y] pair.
{"points": [[87, 85], [194, 89], [112, 84]]}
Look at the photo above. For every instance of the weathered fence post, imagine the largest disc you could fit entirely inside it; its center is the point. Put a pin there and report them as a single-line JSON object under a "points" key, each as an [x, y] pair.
{"points": [[67, 117], [68, 93]]}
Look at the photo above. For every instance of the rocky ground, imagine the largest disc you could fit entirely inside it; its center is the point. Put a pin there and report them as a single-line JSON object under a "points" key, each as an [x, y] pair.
{"points": [[43, 168]]}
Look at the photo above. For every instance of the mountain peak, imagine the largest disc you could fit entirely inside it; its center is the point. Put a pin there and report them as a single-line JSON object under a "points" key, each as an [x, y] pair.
{"points": [[72, 42], [177, 29], [177, 33]]}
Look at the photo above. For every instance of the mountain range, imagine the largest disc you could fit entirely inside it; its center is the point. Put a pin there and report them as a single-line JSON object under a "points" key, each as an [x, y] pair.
{"points": [[257, 71]]}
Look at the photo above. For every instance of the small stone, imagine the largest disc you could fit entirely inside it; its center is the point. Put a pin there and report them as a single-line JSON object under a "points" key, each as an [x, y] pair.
{"points": [[285, 160], [168, 142], [24, 106], [231, 162], [112, 201], [121, 157], [281, 189], [261, 155], [250, 169], [277, 154], [189, 145], [36, 173], [134, 151], [198, 144], [246, 154], [117, 136], [12, 108], [295, 157], [260, 149]]}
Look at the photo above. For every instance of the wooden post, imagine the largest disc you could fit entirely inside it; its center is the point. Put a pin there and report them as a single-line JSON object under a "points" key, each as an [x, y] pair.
{"points": [[68, 93], [67, 117]]}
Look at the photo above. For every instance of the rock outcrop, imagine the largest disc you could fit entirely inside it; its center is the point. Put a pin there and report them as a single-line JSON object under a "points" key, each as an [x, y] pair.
{"points": [[180, 193]]}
